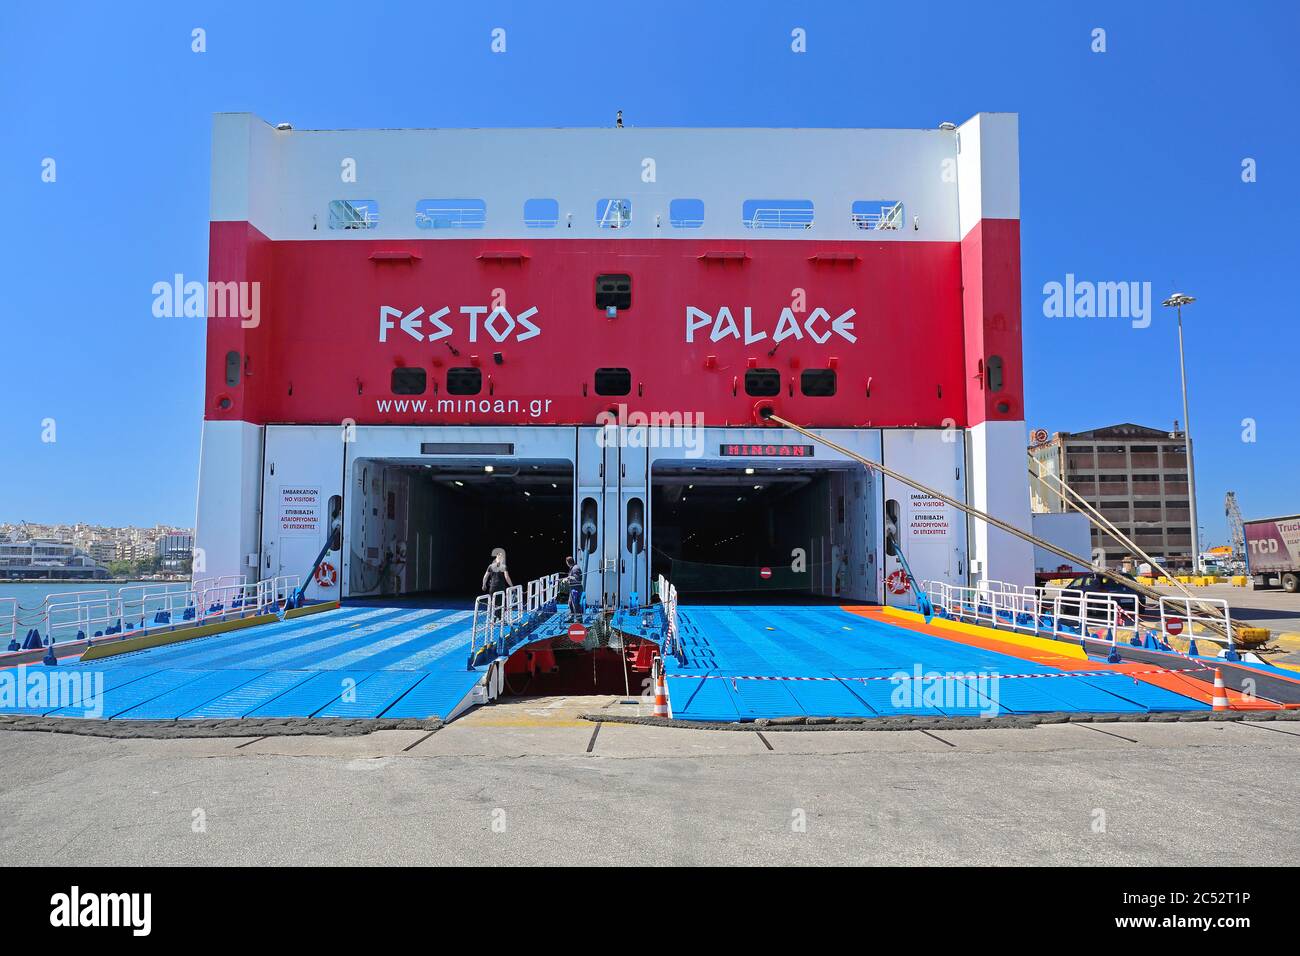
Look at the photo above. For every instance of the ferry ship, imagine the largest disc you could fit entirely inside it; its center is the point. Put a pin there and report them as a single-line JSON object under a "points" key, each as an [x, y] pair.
{"points": [[456, 326]]}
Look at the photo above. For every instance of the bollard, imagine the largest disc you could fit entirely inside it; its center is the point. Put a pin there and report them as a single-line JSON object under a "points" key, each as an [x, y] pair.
{"points": [[1113, 656]]}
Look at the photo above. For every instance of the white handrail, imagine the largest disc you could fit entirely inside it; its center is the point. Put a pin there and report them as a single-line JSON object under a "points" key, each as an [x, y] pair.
{"points": [[668, 599], [138, 607], [781, 217], [8, 619], [1189, 618], [83, 617], [890, 218], [61, 597]]}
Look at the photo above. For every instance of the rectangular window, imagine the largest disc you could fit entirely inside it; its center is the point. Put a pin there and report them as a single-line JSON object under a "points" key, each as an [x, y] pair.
{"points": [[408, 381], [818, 382], [613, 381], [614, 290], [877, 214], [762, 382], [450, 214], [777, 213], [354, 214], [686, 213], [613, 213], [541, 213], [464, 381]]}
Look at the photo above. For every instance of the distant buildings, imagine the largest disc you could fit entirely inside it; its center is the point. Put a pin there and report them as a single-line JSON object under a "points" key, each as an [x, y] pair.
{"points": [[83, 550], [174, 550], [1135, 476], [47, 558]]}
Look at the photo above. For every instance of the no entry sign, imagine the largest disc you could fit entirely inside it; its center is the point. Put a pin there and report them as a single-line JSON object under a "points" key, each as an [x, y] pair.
{"points": [[577, 633], [1174, 625], [764, 573]]}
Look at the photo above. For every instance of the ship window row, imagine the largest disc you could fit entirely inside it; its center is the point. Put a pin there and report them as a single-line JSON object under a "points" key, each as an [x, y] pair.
{"points": [[759, 382], [615, 213]]}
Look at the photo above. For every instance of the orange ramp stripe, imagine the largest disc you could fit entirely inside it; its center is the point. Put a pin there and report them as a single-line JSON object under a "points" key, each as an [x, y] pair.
{"points": [[1020, 651], [1187, 686]]}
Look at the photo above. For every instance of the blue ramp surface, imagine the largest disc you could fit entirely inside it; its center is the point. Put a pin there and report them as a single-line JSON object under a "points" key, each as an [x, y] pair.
{"points": [[355, 661], [831, 663], [210, 684], [374, 695]]}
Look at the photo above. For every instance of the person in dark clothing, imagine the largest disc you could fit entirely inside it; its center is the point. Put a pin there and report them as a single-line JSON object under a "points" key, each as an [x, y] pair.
{"points": [[496, 577], [574, 580]]}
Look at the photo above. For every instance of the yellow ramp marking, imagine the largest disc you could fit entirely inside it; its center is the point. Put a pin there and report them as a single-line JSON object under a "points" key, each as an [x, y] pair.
{"points": [[1044, 644]]}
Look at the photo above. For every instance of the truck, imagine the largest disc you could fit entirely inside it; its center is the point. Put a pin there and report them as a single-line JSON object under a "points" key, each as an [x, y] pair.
{"points": [[1273, 552], [1067, 530]]}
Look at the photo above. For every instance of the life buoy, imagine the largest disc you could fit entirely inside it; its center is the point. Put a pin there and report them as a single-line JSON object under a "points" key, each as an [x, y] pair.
{"points": [[897, 582], [326, 575]]}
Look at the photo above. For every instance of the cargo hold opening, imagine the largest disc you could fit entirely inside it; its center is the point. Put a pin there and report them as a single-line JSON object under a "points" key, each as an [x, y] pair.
{"points": [[426, 531], [763, 533]]}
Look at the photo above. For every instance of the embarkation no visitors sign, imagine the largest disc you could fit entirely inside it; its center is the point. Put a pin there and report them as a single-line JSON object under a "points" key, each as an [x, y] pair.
{"points": [[299, 511]]}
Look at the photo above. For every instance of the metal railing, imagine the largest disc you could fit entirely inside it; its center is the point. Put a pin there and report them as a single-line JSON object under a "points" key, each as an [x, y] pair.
{"points": [[616, 214], [780, 217], [359, 214], [668, 598], [451, 217], [886, 218], [501, 615], [138, 609], [1111, 617], [169, 601], [66, 620], [8, 619], [1182, 617], [224, 580], [1072, 613]]}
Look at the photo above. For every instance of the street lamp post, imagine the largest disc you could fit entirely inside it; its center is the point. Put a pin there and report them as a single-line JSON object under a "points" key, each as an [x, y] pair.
{"points": [[1177, 301]]}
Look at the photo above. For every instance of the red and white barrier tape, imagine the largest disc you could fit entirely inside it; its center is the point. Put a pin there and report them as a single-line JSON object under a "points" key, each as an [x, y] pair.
{"points": [[969, 676]]}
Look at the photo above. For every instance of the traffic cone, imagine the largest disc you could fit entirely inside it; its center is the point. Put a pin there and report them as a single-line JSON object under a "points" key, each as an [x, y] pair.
{"points": [[661, 692], [1220, 701]]}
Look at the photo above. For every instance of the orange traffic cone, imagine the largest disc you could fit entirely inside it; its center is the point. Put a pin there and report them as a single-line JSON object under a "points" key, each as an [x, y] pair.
{"points": [[661, 692], [1220, 701]]}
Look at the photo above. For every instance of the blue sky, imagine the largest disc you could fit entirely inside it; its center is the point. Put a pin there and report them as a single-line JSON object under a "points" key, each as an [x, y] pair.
{"points": [[1130, 170]]}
